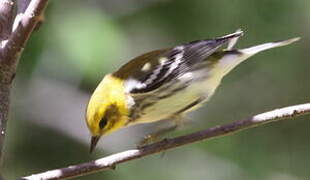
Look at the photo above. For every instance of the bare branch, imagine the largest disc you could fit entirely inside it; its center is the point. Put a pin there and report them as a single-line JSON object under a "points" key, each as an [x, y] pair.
{"points": [[22, 6], [6, 21], [10, 51], [6, 18], [112, 160], [23, 27]]}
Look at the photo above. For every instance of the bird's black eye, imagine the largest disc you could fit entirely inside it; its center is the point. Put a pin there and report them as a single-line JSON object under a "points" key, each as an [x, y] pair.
{"points": [[103, 122]]}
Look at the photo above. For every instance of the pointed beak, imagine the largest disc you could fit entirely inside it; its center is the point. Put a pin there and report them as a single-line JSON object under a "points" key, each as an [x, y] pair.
{"points": [[93, 142]]}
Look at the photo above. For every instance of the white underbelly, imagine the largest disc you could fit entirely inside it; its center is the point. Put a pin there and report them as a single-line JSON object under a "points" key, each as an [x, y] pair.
{"points": [[167, 107]]}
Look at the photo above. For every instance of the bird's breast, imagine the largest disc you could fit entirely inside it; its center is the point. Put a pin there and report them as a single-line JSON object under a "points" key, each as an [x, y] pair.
{"points": [[177, 97]]}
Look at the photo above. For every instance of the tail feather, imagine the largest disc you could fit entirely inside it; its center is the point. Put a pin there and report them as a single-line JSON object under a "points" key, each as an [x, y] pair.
{"points": [[232, 42], [232, 58], [256, 49], [236, 34]]}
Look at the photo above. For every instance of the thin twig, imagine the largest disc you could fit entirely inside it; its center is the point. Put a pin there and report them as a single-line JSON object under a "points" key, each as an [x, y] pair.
{"points": [[112, 160]]}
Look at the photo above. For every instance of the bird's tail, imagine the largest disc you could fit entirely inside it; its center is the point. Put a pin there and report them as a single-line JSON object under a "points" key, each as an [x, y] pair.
{"points": [[232, 58], [232, 42], [256, 49]]}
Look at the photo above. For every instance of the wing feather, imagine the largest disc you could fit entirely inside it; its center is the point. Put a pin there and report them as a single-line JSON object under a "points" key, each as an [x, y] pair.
{"points": [[167, 64]]}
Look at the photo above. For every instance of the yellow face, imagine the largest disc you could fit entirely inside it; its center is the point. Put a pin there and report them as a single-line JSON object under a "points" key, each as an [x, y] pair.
{"points": [[107, 110]]}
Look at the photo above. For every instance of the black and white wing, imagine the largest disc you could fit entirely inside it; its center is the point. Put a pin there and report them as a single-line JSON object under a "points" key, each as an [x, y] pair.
{"points": [[151, 70]]}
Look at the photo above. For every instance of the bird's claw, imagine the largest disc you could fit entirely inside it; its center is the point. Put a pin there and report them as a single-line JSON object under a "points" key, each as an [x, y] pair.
{"points": [[148, 139]]}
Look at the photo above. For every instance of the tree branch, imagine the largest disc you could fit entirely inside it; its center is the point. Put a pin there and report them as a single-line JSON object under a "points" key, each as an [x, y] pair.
{"points": [[218, 131], [6, 18], [22, 6], [23, 27], [12, 45], [6, 21]]}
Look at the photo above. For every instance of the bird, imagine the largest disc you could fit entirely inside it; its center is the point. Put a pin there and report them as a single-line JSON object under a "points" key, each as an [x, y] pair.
{"points": [[165, 84]]}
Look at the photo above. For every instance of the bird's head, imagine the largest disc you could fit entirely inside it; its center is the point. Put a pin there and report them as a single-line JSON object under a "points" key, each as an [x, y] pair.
{"points": [[107, 109]]}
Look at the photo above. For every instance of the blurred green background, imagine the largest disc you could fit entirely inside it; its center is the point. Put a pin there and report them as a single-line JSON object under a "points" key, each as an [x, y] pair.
{"points": [[80, 41]]}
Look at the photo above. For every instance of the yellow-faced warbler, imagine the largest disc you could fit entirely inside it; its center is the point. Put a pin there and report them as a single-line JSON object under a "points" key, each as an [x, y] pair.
{"points": [[165, 84]]}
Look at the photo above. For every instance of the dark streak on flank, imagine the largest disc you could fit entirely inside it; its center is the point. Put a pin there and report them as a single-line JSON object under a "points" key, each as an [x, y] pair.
{"points": [[189, 106]]}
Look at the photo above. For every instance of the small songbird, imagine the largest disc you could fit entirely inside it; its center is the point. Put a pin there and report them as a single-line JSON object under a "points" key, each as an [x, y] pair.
{"points": [[165, 84]]}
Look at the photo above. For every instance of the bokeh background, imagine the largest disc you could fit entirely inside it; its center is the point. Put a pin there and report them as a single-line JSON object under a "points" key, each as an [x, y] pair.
{"points": [[80, 41]]}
